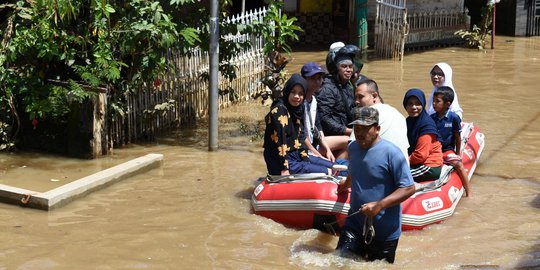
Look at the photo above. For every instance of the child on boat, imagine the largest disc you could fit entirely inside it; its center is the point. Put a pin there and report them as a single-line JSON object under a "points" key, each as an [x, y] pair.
{"points": [[284, 149], [449, 127], [425, 149]]}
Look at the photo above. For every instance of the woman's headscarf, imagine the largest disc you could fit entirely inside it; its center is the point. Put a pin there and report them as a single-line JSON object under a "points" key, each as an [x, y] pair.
{"points": [[297, 113], [454, 107], [420, 125]]}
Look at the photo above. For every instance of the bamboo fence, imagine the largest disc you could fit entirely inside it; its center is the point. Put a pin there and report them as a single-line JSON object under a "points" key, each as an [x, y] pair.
{"points": [[182, 94]]}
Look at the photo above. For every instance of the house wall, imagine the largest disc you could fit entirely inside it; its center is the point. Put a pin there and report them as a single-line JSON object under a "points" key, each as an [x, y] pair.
{"points": [[521, 18], [510, 15], [316, 6], [321, 22], [505, 17], [290, 6]]}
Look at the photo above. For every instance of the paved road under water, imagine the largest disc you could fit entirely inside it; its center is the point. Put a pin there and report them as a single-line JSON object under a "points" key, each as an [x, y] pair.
{"points": [[194, 212]]}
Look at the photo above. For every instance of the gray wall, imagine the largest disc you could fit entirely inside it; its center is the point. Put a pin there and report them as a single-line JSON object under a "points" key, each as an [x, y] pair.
{"points": [[521, 18]]}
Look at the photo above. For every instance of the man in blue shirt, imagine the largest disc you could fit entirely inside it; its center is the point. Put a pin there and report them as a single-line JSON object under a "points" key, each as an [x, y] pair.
{"points": [[380, 179]]}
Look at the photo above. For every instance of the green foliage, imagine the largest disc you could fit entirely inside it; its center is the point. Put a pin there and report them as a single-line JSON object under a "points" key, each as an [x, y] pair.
{"points": [[231, 92], [228, 48], [159, 109], [55, 52], [5, 142], [277, 29], [63, 51], [477, 37]]}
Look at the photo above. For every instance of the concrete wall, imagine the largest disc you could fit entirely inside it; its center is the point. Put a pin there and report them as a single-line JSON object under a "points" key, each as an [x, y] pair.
{"points": [[521, 18], [69, 192]]}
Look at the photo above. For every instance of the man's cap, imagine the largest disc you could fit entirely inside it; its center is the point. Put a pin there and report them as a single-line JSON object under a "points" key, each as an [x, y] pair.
{"points": [[365, 116], [310, 69]]}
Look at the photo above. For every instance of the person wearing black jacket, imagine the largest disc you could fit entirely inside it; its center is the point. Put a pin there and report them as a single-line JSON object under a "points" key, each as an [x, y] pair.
{"points": [[336, 100]]}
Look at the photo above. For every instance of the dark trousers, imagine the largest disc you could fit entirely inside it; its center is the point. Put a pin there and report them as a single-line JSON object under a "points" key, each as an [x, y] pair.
{"points": [[352, 244], [298, 165]]}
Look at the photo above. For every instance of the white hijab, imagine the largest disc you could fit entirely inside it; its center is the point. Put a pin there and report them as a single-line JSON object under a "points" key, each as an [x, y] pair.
{"points": [[447, 70]]}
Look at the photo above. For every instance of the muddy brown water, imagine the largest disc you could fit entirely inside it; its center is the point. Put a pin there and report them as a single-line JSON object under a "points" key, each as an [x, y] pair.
{"points": [[194, 212]]}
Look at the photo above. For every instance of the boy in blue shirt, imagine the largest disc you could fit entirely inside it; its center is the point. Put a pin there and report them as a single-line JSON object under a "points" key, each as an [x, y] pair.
{"points": [[449, 126]]}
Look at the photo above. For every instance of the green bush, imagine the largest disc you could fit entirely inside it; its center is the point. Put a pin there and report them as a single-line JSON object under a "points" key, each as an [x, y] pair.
{"points": [[55, 52], [477, 37]]}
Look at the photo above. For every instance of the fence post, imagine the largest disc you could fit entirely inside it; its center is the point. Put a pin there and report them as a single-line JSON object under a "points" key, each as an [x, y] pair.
{"points": [[493, 27]]}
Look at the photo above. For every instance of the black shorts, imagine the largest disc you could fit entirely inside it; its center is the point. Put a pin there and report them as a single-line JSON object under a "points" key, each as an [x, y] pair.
{"points": [[352, 244], [422, 173]]}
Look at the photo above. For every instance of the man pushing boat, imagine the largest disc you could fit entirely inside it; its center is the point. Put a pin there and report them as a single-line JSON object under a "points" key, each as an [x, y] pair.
{"points": [[380, 180]]}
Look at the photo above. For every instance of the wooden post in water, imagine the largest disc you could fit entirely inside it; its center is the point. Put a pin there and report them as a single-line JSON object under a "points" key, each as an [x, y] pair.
{"points": [[213, 84], [493, 25]]}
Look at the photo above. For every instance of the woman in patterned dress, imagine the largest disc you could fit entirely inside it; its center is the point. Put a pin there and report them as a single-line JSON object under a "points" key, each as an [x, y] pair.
{"points": [[284, 149]]}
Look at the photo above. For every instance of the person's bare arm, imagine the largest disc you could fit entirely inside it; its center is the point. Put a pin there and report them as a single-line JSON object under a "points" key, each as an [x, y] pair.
{"points": [[345, 186], [457, 135], [325, 149], [311, 148]]}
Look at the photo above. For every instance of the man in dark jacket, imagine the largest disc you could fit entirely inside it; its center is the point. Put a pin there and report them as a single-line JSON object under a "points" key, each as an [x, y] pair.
{"points": [[336, 100]]}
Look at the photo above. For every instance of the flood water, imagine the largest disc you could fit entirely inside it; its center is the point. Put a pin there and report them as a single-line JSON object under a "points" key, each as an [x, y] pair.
{"points": [[194, 211]]}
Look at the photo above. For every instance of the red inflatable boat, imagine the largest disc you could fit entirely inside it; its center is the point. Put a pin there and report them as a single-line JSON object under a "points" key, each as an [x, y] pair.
{"points": [[310, 200]]}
